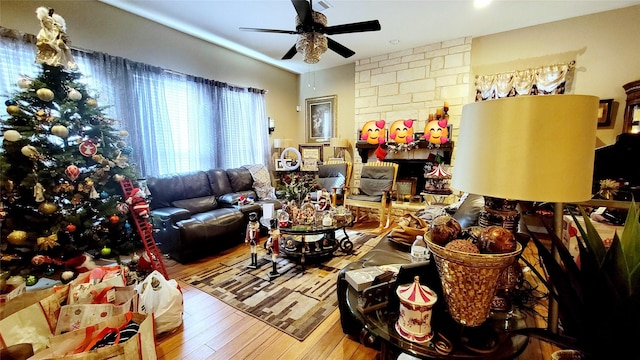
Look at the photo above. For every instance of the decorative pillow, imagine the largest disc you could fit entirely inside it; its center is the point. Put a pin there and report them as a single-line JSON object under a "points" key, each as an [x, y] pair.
{"points": [[197, 205], [261, 181], [375, 180]]}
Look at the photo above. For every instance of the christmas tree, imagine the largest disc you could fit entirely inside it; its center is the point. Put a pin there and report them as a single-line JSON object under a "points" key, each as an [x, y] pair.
{"points": [[61, 164]]}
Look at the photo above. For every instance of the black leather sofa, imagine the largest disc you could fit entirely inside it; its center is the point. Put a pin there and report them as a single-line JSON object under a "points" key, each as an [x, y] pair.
{"points": [[197, 214]]}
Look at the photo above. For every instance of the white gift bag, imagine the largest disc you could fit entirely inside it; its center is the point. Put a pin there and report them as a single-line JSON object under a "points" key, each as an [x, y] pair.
{"points": [[163, 299]]}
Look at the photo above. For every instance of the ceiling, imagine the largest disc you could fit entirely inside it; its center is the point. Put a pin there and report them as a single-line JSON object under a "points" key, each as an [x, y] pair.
{"points": [[405, 23]]}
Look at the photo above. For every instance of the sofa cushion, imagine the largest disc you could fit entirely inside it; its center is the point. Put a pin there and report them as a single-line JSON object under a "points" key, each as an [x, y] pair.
{"points": [[219, 182], [240, 179], [197, 205], [375, 180], [169, 188]]}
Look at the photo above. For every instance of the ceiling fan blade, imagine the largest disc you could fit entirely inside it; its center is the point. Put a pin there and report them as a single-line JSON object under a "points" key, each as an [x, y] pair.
{"points": [[373, 25], [290, 53], [270, 30], [303, 9], [340, 49]]}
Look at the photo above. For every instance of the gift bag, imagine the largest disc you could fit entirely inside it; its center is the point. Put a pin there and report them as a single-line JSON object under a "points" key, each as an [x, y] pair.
{"points": [[128, 336], [409, 226], [83, 288], [108, 302], [163, 299], [32, 317]]}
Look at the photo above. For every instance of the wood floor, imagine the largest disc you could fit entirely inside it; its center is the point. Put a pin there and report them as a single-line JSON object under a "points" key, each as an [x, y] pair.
{"points": [[213, 330]]}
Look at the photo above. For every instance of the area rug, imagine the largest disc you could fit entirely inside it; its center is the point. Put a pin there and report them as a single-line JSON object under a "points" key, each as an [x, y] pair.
{"points": [[297, 301]]}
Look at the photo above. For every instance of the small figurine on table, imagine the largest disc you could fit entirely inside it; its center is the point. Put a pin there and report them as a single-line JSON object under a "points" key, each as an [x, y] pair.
{"points": [[252, 237], [273, 245]]}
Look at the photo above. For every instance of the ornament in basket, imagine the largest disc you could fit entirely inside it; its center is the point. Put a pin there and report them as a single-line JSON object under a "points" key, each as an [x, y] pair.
{"points": [[469, 271]]}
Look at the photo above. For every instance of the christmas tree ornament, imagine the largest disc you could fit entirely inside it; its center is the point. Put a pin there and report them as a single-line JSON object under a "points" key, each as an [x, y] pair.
{"points": [[74, 94], [43, 115], [13, 110], [49, 270], [47, 208], [38, 192], [127, 150], [118, 177], [17, 238], [105, 251], [30, 151], [92, 102], [71, 228], [93, 194], [60, 131], [10, 102], [31, 280], [124, 133], [114, 219], [12, 135], [45, 94], [72, 172], [88, 148], [25, 83], [137, 203], [104, 195], [47, 242]]}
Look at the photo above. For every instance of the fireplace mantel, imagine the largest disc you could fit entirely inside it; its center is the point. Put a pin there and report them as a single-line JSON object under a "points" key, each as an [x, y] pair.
{"points": [[423, 151]]}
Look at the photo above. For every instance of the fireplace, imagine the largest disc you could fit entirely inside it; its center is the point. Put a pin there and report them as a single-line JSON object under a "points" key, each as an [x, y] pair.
{"points": [[412, 164]]}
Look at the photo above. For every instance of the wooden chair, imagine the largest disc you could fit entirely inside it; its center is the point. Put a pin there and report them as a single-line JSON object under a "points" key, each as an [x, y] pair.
{"points": [[334, 176], [377, 180]]}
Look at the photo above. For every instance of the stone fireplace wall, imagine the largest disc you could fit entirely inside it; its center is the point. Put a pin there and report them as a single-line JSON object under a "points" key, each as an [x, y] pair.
{"points": [[411, 84]]}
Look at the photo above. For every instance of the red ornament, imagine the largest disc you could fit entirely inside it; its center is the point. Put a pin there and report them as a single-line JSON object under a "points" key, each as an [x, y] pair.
{"points": [[88, 148], [114, 219], [72, 172], [71, 228]]}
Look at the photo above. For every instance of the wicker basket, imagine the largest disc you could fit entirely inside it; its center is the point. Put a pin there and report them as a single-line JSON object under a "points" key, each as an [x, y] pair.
{"points": [[469, 281]]}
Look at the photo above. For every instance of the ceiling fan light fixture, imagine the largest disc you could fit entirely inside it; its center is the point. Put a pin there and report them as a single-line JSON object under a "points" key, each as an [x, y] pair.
{"points": [[312, 46]]}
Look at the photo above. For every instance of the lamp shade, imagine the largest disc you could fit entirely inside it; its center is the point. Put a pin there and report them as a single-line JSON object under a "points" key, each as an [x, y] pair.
{"points": [[281, 143], [531, 148]]}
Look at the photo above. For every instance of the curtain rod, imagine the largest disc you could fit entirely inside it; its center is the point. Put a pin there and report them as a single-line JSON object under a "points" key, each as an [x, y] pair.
{"points": [[32, 39], [571, 64]]}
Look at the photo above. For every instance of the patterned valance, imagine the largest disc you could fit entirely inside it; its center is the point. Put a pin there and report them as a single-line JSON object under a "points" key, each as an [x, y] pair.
{"points": [[536, 81]]}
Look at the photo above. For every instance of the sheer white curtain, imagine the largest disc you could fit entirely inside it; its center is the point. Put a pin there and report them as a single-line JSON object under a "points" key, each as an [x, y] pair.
{"points": [[176, 123]]}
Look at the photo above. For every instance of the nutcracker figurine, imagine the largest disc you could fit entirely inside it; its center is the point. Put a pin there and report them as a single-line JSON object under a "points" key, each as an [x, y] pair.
{"points": [[273, 246], [252, 237]]}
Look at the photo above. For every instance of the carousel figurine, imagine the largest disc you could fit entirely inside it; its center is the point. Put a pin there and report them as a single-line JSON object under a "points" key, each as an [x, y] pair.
{"points": [[252, 237], [273, 246]]}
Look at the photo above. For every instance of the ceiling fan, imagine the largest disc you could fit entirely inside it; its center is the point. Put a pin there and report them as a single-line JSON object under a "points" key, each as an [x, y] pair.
{"points": [[311, 28]]}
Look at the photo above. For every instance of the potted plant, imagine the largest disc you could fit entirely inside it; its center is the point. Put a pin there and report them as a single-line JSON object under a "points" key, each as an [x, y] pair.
{"points": [[598, 296]]}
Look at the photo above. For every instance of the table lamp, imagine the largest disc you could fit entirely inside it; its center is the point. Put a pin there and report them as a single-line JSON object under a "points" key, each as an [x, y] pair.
{"points": [[338, 145], [529, 148], [281, 144]]}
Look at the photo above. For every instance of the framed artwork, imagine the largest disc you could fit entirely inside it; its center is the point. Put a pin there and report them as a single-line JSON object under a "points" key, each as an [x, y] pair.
{"points": [[311, 151], [321, 118], [604, 112], [309, 165], [279, 164]]}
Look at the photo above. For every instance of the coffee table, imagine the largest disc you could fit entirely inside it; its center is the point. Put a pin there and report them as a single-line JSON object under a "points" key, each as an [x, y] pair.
{"points": [[312, 241]]}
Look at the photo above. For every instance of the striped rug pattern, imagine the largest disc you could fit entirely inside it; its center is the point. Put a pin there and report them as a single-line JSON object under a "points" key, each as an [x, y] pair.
{"points": [[297, 301]]}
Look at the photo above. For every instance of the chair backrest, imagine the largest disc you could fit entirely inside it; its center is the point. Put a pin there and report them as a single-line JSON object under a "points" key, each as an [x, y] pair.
{"points": [[378, 177], [334, 174]]}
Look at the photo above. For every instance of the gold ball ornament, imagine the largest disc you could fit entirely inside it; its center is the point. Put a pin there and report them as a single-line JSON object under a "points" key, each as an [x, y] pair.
{"points": [[92, 102], [29, 151], [74, 95], [17, 238], [13, 110], [124, 133], [47, 208], [25, 83], [12, 135], [60, 130], [45, 94], [118, 177]]}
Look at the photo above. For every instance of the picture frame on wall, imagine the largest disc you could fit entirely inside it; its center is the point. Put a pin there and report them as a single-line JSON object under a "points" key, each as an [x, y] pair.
{"points": [[604, 112], [321, 118]]}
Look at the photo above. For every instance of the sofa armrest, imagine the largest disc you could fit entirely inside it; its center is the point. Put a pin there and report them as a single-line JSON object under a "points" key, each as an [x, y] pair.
{"points": [[167, 216]]}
